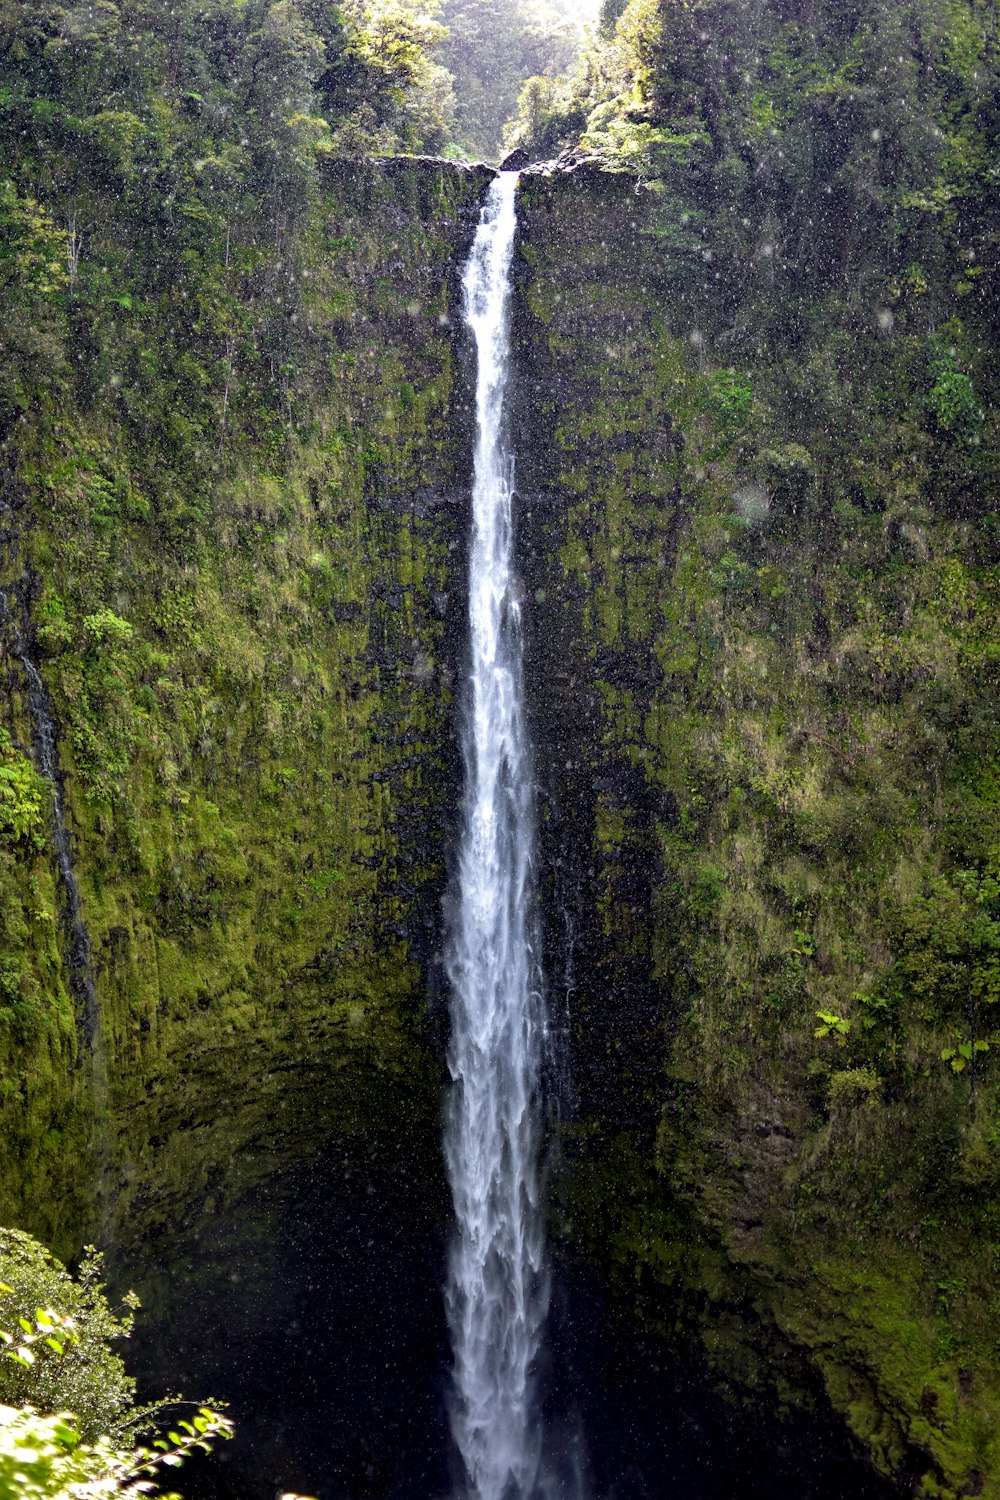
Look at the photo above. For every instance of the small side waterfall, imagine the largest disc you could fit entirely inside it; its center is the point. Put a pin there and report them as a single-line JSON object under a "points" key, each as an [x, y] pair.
{"points": [[14, 615], [497, 1289]]}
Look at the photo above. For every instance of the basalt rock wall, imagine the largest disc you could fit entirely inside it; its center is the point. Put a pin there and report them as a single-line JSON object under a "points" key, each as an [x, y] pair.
{"points": [[759, 570], [249, 656], [759, 592]]}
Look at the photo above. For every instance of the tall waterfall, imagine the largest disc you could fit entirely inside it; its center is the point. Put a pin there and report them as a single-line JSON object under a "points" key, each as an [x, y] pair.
{"points": [[497, 1286]]}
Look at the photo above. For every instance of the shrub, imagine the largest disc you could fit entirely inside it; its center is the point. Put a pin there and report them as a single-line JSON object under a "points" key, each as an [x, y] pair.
{"points": [[43, 1457], [853, 1086], [22, 798], [58, 1356], [105, 628], [89, 1379], [951, 402], [728, 396]]}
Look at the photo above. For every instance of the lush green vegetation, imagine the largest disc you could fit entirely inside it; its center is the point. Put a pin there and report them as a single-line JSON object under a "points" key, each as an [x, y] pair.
{"points": [[69, 1422], [491, 47], [87, 1376], [762, 350], [205, 436], [838, 120], [195, 131], [787, 685]]}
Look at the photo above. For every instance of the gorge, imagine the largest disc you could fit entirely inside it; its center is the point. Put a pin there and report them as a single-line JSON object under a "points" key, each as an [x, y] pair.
{"points": [[752, 397]]}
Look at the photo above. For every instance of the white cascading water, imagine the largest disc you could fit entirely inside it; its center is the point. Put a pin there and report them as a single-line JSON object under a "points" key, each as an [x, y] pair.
{"points": [[497, 1291]]}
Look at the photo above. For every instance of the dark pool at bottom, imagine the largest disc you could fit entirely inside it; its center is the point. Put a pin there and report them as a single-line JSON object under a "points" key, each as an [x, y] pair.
{"points": [[314, 1308]]}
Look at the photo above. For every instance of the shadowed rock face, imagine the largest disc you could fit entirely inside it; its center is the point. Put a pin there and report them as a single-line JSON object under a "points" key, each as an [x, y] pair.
{"points": [[733, 886]]}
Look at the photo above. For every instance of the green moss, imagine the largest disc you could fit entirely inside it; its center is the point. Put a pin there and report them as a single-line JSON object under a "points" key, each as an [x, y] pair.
{"points": [[772, 772], [252, 704]]}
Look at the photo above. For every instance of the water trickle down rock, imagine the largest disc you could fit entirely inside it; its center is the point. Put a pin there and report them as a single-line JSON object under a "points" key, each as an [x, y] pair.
{"points": [[15, 623]]}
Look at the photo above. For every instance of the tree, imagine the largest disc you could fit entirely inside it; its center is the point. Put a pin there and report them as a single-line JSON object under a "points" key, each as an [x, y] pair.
{"points": [[44, 1457], [89, 1379], [69, 1431], [386, 75], [492, 46]]}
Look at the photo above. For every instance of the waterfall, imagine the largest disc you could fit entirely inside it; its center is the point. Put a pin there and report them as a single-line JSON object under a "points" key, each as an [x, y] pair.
{"points": [[497, 1292], [15, 631], [81, 973]]}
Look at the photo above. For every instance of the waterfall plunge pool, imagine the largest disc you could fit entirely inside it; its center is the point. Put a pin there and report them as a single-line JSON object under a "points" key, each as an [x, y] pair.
{"points": [[313, 1305]]}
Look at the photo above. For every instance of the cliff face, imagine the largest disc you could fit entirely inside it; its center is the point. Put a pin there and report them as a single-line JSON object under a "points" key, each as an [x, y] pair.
{"points": [[762, 598], [247, 639], [760, 580]]}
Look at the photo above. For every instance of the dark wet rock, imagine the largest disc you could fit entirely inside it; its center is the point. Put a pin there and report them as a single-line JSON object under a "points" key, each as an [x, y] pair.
{"points": [[343, 611]]}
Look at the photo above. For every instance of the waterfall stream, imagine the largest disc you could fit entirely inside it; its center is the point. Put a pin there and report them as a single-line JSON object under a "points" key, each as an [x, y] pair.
{"points": [[14, 622], [497, 1290]]}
